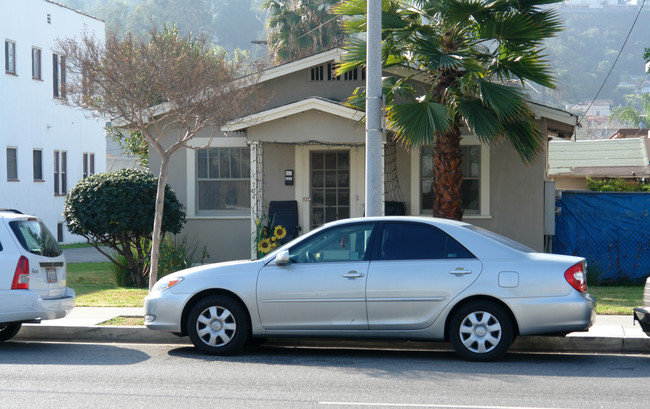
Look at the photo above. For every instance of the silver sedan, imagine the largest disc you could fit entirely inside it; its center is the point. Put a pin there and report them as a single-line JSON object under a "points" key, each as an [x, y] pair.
{"points": [[389, 277]]}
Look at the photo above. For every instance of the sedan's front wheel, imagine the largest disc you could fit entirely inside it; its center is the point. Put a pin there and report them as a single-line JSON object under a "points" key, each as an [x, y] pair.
{"points": [[481, 331], [218, 325], [8, 331]]}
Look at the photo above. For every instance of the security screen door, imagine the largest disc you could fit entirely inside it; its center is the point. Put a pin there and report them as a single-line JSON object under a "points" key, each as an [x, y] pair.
{"points": [[330, 186]]}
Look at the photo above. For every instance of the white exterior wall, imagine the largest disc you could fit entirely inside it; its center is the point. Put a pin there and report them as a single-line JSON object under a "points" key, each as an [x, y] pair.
{"points": [[31, 118]]}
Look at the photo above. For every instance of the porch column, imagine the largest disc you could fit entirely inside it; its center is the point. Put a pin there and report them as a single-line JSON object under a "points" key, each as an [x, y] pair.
{"points": [[257, 191]]}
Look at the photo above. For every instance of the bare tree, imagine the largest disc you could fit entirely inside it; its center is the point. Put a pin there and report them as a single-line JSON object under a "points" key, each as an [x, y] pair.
{"points": [[166, 87]]}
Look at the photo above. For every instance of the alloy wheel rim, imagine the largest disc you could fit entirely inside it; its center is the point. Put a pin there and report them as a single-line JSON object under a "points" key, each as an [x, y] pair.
{"points": [[216, 326], [480, 332]]}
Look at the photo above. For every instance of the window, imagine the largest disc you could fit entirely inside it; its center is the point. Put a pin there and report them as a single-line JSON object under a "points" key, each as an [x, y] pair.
{"points": [[12, 164], [38, 164], [59, 232], [60, 173], [471, 171], [36, 63], [328, 72], [10, 57], [345, 243], [317, 73], [223, 179], [58, 75], [413, 241], [88, 165]]}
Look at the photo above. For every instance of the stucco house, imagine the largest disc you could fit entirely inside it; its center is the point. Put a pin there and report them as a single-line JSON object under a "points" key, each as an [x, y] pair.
{"points": [[306, 147], [46, 147]]}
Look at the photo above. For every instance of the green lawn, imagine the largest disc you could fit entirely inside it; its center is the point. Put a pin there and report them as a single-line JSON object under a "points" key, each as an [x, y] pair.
{"points": [[617, 300], [95, 287]]}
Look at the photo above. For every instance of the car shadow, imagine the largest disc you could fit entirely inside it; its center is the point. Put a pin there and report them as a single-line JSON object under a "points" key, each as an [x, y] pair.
{"points": [[53, 353], [414, 364]]}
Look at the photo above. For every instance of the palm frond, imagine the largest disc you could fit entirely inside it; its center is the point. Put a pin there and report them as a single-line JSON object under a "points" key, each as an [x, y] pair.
{"points": [[480, 119], [506, 102], [416, 123]]}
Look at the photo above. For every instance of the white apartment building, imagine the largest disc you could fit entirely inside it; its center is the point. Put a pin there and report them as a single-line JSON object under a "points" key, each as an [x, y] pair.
{"points": [[46, 147]]}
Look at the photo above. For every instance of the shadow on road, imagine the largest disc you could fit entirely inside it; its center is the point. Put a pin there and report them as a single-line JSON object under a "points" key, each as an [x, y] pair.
{"points": [[409, 364], [42, 353]]}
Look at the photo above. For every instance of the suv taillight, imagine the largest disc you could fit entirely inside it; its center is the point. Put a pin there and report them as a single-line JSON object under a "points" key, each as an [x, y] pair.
{"points": [[577, 277], [21, 276]]}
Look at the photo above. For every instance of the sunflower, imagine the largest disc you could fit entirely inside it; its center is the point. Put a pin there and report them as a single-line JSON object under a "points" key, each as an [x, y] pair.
{"points": [[279, 232], [264, 246]]}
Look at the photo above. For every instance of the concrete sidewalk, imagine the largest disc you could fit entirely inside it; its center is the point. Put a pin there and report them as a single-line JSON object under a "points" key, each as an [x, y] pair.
{"points": [[610, 334]]}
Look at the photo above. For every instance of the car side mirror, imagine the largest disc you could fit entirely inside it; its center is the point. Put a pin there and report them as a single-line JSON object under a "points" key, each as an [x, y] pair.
{"points": [[282, 258]]}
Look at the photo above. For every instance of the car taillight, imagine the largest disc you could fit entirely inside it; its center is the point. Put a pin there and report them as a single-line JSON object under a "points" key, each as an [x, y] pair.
{"points": [[21, 276], [576, 276]]}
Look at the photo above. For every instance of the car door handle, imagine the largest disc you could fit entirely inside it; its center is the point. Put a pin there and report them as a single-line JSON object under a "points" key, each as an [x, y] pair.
{"points": [[460, 271], [353, 274]]}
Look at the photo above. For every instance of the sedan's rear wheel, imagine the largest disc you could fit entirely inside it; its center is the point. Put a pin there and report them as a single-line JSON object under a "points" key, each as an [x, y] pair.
{"points": [[218, 325], [481, 331], [8, 331]]}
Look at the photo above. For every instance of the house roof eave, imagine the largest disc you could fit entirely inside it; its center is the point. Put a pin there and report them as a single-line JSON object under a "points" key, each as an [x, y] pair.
{"points": [[294, 108]]}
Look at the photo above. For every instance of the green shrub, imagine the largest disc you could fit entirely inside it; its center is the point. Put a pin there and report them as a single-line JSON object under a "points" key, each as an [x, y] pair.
{"points": [[617, 185], [117, 210], [175, 254], [178, 254]]}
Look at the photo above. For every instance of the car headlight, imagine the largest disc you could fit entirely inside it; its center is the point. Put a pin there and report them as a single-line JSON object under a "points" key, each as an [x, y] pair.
{"points": [[166, 283]]}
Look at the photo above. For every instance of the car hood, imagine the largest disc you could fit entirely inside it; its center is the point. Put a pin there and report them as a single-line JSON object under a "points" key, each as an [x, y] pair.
{"points": [[228, 275]]}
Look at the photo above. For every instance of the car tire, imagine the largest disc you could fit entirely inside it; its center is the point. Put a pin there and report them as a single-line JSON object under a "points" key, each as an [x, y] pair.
{"points": [[8, 331], [218, 325], [481, 331]]}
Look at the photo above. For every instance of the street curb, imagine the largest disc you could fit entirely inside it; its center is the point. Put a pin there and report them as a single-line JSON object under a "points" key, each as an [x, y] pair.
{"points": [[142, 335]]}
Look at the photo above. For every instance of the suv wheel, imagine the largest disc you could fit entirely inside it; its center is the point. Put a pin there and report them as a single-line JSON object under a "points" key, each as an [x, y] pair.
{"points": [[8, 331]]}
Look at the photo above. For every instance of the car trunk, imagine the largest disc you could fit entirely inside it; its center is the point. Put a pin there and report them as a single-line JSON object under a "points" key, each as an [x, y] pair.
{"points": [[47, 267]]}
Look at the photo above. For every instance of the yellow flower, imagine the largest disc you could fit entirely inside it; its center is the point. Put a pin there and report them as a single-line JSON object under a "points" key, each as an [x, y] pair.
{"points": [[264, 246], [279, 232]]}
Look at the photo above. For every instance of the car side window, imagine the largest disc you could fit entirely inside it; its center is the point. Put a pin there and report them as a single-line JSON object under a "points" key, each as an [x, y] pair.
{"points": [[413, 241], [345, 243]]}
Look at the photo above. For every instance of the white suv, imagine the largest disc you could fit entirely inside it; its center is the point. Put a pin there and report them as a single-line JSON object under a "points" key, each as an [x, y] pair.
{"points": [[32, 274]]}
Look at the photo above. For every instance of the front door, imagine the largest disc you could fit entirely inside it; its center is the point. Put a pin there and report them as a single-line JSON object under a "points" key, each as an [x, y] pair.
{"points": [[330, 186]]}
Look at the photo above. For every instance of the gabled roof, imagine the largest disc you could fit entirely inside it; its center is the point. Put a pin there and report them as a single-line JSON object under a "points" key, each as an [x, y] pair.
{"points": [[316, 103], [334, 54], [599, 158]]}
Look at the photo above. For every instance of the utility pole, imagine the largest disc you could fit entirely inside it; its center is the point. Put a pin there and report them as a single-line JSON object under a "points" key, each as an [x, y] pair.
{"points": [[374, 98]]}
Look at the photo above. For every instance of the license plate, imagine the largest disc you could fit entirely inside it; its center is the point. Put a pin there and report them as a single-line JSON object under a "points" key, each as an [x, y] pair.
{"points": [[51, 275]]}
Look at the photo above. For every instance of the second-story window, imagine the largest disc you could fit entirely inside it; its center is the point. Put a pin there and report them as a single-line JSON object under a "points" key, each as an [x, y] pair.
{"points": [[58, 76], [88, 165], [10, 57], [36, 63], [38, 165], [60, 173]]}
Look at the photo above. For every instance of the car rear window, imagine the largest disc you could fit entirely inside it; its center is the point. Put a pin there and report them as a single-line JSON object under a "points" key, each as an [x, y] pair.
{"points": [[35, 237], [501, 239]]}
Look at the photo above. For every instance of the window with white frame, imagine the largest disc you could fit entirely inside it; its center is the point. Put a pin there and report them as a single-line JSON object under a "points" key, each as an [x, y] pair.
{"points": [[60, 173], [12, 164], [88, 165], [58, 76], [223, 180], [10, 57], [37, 156], [327, 72], [470, 169], [36, 63]]}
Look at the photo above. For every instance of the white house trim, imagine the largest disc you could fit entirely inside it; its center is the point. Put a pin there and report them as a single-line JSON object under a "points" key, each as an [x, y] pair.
{"points": [[318, 104]]}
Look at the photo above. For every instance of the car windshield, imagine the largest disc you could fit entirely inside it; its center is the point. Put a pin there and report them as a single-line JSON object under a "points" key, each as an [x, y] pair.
{"points": [[503, 240], [35, 237]]}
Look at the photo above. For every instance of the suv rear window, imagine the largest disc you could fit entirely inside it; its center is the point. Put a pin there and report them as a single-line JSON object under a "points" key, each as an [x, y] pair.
{"points": [[35, 238]]}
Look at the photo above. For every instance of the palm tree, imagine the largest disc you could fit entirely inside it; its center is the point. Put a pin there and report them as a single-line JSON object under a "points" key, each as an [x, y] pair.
{"points": [[632, 116], [298, 28], [463, 63]]}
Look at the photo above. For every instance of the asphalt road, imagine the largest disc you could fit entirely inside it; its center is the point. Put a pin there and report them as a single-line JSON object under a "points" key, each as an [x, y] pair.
{"points": [[69, 375]]}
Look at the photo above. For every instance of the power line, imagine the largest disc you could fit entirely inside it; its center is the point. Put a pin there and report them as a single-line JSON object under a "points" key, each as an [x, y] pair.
{"points": [[615, 61]]}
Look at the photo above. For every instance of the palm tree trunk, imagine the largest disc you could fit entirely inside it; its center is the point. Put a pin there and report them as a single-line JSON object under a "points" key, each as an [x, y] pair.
{"points": [[447, 178]]}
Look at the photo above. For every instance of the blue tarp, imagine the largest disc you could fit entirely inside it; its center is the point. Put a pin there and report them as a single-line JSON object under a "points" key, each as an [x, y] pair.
{"points": [[611, 230]]}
